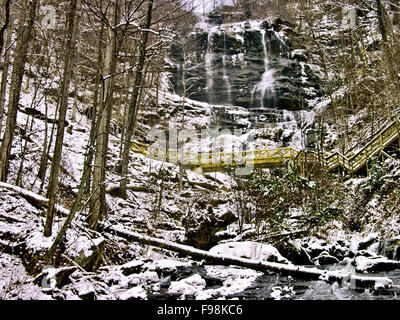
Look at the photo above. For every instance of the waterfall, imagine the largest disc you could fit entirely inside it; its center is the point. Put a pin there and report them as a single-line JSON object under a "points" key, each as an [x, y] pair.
{"points": [[239, 71], [225, 75], [214, 78], [209, 65], [266, 85]]}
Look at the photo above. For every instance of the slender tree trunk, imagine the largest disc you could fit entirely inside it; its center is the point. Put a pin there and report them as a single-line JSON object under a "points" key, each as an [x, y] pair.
{"points": [[98, 199], [86, 171], [46, 156], [385, 25], [68, 63], [18, 180], [125, 111], [5, 20], [20, 56], [134, 102], [181, 167], [75, 70], [126, 107], [43, 158], [141, 92], [4, 77], [81, 190], [75, 105], [98, 82], [157, 91]]}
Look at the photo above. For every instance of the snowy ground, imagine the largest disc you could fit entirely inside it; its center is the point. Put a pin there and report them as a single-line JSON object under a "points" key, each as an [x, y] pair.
{"points": [[134, 271], [154, 207]]}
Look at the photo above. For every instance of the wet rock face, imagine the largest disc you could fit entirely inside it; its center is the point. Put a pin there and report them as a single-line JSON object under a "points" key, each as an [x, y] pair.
{"points": [[245, 64]]}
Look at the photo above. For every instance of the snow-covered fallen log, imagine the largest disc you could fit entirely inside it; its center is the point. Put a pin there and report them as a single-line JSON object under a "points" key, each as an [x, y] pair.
{"points": [[263, 266], [311, 273], [10, 218], [115, 189], [33, 197]]}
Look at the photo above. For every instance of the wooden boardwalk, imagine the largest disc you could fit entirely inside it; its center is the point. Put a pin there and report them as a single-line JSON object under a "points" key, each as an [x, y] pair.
{"points": [[213, 162]]}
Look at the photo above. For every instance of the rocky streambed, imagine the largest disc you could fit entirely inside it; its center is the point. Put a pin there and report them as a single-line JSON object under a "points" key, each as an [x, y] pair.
{"points": [[132, 270]]}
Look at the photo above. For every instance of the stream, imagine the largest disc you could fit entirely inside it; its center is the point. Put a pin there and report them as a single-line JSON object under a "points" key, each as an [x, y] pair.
{"points": [[236, 283]]}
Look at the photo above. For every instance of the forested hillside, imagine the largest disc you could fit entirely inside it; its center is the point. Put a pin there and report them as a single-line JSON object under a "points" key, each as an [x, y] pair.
{"points": [[183, 149]]}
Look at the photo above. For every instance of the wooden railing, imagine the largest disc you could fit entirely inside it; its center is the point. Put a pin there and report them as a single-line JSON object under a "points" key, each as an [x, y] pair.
{"points": [[219, 161], [352, 162]]}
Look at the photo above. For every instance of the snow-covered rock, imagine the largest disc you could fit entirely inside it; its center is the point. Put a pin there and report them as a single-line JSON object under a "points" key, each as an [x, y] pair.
{"points": [[285, 293], [165, 266], [149, 277], [249, 250], [188, 286], [134, 266], [325, 258], [87, 252], [85, 290], [135, 293], [375, 264]]}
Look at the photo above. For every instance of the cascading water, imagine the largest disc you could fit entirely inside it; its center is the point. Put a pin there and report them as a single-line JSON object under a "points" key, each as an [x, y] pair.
{"points": [[241, 64], [266, 85], [225, 75], [209, 60]]}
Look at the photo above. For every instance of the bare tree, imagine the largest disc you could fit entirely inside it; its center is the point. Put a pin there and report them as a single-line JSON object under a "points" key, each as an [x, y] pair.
{"points": [[98, 199], [5, 17], [68, 64], [134, 100], [20, 55], [4, 77]]}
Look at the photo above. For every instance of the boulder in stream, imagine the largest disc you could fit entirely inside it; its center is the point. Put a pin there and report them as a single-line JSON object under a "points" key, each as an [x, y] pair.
{"points": [[375, 264], [249, 250]]}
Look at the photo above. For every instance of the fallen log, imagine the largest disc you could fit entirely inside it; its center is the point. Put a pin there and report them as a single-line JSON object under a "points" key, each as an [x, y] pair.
{"points": [[10, 218], [312, 273], [33, 197], [114, 190]]}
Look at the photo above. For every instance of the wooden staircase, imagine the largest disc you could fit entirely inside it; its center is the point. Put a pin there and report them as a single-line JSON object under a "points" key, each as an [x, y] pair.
{"points": [[354, 161], [350, 162]]}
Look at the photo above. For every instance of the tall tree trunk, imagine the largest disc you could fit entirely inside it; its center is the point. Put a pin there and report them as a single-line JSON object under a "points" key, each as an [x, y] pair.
{"points": [[68, 63], [43, 158], [5, 18], [98, 199], [20, 55], [185, 60], [125, 110], [81, 190], [4, 77], [98, 82], [385, 25], [141, 92], [75, 70], [134, 101], [29, 123]]}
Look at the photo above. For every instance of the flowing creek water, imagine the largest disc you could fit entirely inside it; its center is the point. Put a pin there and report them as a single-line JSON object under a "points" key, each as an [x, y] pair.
{"points": [[235, 282], [244, 284]]}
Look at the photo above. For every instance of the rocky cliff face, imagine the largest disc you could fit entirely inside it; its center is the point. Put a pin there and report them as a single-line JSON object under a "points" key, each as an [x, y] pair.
{"points": [[250, 64]]}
